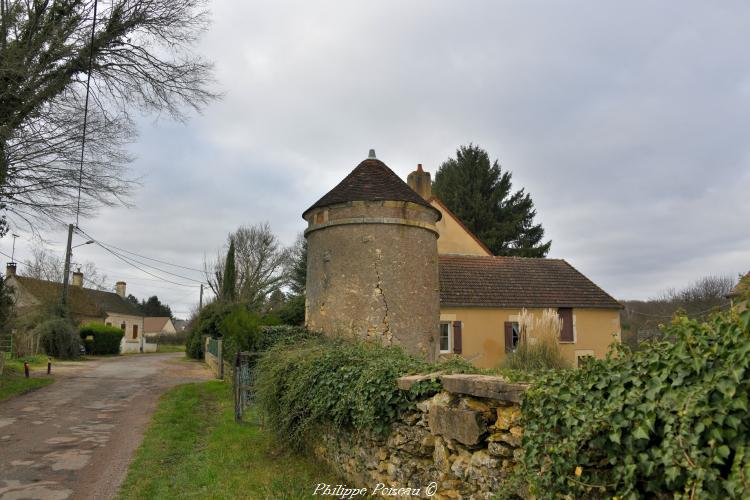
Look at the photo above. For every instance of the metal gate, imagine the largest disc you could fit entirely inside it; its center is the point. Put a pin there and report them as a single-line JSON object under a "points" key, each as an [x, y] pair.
{"points": [[244, 382]]}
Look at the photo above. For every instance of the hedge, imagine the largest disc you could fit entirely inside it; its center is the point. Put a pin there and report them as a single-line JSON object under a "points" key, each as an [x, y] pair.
{"points": [[670, 420], [307, 381], [105, 339]]}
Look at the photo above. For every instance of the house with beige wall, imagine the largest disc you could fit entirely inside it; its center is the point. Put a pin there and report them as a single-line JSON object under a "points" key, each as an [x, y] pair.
{"points": [[32, 296], [482, 296]]}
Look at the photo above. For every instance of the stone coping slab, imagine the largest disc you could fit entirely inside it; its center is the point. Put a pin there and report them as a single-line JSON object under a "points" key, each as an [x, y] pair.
{"points": [[405, 383], [481, 386]]}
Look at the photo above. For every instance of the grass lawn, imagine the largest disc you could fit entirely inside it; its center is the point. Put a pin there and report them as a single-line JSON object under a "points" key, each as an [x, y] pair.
{"points": [[13, 382], [170, 348], [193, 449]]}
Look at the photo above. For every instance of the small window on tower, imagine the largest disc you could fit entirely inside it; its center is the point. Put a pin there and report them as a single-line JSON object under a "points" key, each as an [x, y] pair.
{"points": [[122, 327]]}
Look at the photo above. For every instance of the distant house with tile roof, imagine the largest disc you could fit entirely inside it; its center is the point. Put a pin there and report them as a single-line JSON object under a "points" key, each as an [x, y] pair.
{"points": [[481, 295], [86, 305], [158, 326]]}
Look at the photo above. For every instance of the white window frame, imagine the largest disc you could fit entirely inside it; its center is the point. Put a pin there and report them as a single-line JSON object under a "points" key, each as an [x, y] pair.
{"points": [[450, 337]]}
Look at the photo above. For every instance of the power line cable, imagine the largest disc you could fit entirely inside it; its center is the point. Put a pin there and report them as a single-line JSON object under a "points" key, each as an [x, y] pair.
{"points": [[130, 260], [140, 262], [151, 258], [152, 266], [125, 260]]}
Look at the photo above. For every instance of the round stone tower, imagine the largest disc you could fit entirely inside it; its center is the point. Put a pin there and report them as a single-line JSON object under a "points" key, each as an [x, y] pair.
{"points": [[372, 263]]}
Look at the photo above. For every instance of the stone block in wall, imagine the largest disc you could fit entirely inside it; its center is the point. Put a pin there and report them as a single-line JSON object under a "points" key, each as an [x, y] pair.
{"points": [[507, 417], [465, 426], [405, 383], [484, 386]]}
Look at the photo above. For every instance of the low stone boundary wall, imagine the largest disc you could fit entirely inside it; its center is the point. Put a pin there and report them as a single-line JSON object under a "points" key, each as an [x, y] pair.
{"points": [[463, 441], [215, 360]]}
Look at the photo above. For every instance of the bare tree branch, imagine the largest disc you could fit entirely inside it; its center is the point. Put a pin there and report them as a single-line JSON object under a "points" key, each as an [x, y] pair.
{"points": [[141, 60]]}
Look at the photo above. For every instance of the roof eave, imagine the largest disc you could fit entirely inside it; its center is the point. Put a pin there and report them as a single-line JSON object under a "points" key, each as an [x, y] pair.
{"points": [[532, 306]]}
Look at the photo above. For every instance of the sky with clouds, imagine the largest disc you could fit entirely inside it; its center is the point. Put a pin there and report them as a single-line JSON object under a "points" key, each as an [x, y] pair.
{"points": [[628, 122]]}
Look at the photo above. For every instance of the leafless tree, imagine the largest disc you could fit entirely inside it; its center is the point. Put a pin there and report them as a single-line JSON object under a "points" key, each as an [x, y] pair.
{"points": [[641, 318], [261, 262], [141, 60], [45, 264]]}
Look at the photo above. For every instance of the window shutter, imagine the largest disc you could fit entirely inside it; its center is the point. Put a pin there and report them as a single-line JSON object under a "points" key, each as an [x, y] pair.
{"points": [[508, 336], [566, 314], [457, 346]]}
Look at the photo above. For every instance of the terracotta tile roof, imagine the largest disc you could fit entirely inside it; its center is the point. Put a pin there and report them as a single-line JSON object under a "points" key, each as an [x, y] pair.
{"points": [[82, 301], [516, 282], [371, 180], [154, 324]]}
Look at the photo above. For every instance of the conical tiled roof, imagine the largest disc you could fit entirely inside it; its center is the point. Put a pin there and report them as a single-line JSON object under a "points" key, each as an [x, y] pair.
{"points": [[371, 180]]}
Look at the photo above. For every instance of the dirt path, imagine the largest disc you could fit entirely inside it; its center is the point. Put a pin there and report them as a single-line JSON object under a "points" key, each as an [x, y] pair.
{"points": [[76, 437]]}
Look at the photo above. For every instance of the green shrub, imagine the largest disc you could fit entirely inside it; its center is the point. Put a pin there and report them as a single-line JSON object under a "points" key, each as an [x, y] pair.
{"points": [[179, 338], [236, 325], [59, 338], [293, 311], [240, 331], [303, 382], [276, 334], [671, 420], [106, 339], [208, 322]]}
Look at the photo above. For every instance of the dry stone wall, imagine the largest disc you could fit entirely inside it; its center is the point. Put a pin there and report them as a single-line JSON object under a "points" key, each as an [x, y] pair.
{"points": [[464, 441]]}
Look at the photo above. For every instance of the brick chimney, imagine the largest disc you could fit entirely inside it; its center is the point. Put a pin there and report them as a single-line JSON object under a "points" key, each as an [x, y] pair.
{"points": [[10, 270], [421, 182], [120, 288], [77, 279]]}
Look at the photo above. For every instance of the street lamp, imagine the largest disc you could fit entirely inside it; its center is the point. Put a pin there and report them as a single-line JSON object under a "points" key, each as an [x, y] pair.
{"points": [[87, 243]]}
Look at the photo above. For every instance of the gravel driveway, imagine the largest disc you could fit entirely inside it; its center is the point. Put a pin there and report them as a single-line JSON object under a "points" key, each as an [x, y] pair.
{"points": [[76, 437]]}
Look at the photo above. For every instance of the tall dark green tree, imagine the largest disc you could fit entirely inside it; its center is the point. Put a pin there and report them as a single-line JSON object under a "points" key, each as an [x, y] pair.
{"points": [[481, 194], [229, 283], [6, 305], [153, 307]]}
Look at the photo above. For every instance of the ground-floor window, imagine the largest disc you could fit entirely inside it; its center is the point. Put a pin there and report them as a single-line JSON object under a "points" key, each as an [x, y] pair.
{"points": [[445, 336], [135, 331], [512, 335]]}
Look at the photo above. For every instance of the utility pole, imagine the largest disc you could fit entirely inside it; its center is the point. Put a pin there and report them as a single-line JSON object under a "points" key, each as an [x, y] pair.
{"points": [[200, 303], [68, 251]]}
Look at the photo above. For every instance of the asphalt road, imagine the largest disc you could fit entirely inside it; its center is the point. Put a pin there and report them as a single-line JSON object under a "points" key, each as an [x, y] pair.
{"points": [[75, 438]]}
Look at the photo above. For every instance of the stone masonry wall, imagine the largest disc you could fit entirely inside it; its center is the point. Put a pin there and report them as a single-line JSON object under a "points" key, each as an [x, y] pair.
{"points": [[372, 273], [465, 439]]}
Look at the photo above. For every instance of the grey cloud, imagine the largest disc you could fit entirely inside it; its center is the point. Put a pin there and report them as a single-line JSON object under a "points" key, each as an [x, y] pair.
{"points": [[627, 122]]}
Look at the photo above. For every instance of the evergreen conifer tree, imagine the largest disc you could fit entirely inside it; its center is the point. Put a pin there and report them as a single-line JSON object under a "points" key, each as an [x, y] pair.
{"points": [[480, 194]]}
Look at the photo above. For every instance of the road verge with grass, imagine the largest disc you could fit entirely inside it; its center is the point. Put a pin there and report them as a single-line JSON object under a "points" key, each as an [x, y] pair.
{"points": [[194, 449], [13, 382]]}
